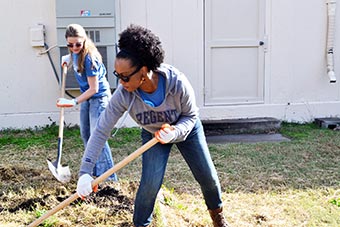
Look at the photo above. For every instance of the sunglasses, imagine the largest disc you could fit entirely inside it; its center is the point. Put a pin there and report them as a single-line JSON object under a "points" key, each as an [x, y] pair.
{"points": [[126, 78], [71, 45]]}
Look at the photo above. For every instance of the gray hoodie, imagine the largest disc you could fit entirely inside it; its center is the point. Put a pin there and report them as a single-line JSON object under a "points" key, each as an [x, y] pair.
{"points": [[178, 109]]}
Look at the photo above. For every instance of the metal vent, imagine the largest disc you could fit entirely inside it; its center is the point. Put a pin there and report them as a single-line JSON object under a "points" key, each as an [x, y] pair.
{"points": [[94, 35], [99, 21]]}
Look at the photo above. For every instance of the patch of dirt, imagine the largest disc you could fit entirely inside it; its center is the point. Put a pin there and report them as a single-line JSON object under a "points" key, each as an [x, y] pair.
{"points": [[32, 191], [18, 173], [106, 197], [29, 205], [260, 218], [109, 195]]}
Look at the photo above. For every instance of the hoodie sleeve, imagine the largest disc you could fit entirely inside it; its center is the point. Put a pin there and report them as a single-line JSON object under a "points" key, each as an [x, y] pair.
{"points": [[189, 114], [102, 132]]}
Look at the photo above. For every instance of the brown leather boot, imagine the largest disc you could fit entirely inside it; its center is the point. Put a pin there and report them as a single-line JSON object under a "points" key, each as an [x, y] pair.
{"points": [[218, 218]]}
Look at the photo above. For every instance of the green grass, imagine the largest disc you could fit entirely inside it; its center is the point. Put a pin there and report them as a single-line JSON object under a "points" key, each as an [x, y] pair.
{"points": [[45, 137], [286, 184]]}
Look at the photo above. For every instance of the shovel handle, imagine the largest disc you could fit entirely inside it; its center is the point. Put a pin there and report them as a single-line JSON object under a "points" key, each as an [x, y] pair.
{"points": [[63, 81], [97, 181], [62, 95], [61, 116]]}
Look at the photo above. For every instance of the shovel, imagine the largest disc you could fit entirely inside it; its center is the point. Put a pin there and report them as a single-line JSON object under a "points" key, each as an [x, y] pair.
{"points": [[62, 173], [97, 181]]}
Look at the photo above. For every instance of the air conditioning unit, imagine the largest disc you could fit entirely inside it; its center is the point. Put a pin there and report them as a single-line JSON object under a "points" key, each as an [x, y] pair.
{"points": [[98, 19]]}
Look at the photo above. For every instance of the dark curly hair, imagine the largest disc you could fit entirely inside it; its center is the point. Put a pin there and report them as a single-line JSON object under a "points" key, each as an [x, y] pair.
{"points": [[141, 47]]}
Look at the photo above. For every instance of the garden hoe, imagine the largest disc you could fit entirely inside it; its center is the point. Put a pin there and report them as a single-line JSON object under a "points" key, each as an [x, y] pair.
{"points": [[62, 173], [97, 181]]}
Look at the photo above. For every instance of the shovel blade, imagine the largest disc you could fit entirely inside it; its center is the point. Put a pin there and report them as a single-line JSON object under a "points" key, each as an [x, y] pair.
{"points": [[62, 173]]}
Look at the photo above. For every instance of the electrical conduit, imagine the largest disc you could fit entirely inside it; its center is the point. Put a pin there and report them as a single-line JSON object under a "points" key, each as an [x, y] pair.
{"points": [[331, 6]]}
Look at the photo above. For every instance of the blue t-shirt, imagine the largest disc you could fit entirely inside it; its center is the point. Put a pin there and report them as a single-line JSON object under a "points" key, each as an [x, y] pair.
{"points": [[95, 68], [156, 98]]}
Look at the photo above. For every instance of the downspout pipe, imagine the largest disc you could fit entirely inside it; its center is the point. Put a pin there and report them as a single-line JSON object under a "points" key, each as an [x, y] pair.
{"points": [[331, 12]]}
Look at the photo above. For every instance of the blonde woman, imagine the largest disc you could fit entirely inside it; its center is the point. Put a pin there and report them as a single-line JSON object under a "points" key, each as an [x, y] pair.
{"points": [[90, 73]]}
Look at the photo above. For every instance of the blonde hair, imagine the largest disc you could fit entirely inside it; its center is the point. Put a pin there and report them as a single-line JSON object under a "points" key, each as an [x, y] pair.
{"points": [[76, 30]]}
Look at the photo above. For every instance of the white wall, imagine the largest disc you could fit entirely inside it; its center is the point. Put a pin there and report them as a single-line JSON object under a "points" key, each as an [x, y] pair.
{"points": [[179, 24], [28, 86], [298, 44], [296, 84], [297, 87], [298, 78]]}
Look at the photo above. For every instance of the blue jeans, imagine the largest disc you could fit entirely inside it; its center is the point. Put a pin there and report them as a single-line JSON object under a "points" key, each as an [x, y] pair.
{"points": [[196, 154], [90, 111]]}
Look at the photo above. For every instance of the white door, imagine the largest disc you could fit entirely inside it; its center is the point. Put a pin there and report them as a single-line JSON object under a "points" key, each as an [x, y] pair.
{"points": [[234, 55]]}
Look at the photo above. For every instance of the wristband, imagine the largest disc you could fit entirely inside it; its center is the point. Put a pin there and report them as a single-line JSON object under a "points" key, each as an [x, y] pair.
{"points": [[75, 101]]}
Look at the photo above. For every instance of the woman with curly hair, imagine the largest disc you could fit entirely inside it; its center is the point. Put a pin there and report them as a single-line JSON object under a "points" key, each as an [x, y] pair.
{"points": [[155, 94], [90, 73]]}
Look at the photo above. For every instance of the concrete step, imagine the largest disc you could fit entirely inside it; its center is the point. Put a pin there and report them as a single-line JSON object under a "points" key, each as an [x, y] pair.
{"points": [[264, 125], [247, 138], [327, 122]]}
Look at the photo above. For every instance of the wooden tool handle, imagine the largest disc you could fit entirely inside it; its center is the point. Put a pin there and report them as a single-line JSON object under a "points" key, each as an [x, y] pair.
{"points": [[62, 95], [98, 180], [63, 81]]}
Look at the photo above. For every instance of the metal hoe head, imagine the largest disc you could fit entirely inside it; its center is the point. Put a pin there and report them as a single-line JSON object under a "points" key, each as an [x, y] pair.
{"points": [[62, 174]]}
